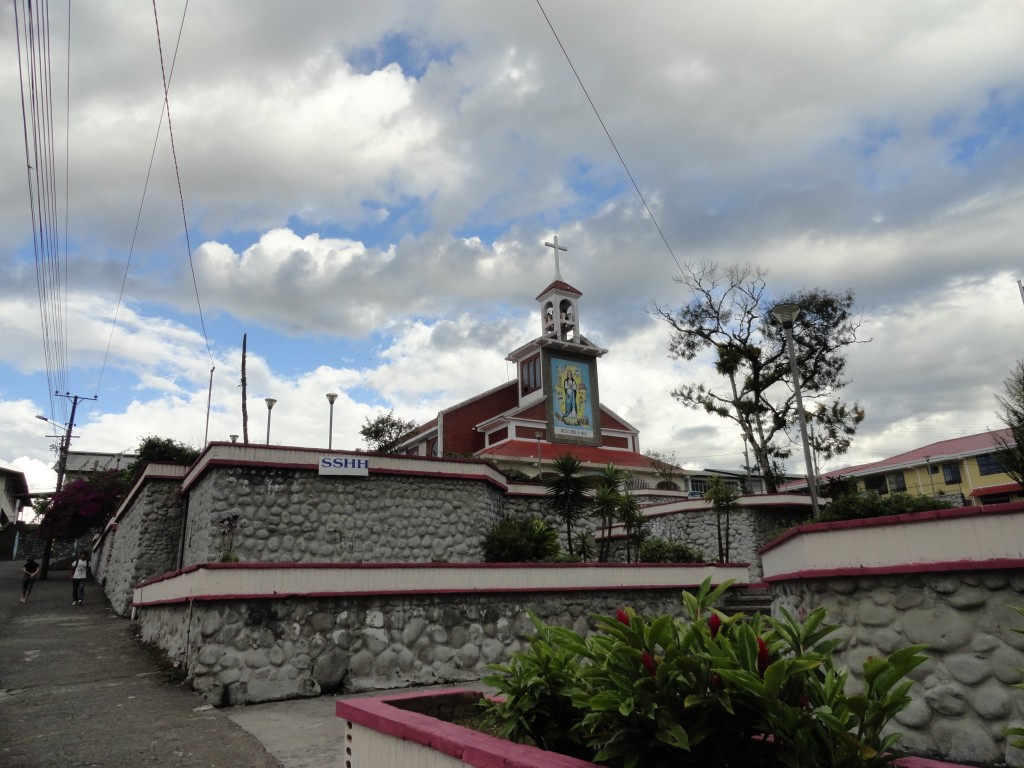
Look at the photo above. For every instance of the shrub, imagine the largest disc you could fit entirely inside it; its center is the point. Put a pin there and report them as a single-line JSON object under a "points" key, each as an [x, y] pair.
{"points": [[716, 690], [515, 539], [856, 506], [660, 551]]}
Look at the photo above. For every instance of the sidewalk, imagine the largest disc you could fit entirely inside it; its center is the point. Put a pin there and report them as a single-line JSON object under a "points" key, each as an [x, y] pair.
{"points": [[78, 689]]}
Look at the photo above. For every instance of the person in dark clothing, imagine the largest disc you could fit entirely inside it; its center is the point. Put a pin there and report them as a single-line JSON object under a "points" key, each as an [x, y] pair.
{"points": [[29, 572]]}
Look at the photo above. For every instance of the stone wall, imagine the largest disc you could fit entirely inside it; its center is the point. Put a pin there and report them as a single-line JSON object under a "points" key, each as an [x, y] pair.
{"points": [[289, 515], [264, 650], [144, 542], [749, 530], [963, 696]]}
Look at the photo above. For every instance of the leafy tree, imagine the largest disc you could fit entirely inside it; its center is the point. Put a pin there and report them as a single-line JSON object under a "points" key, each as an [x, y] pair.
{"points": [[656, 550], [85, 504], [1011, 412], [665, 464], [384, 432], [567, 490], [515, 539], [160, 449], [723, 501], [606, 504], [862, 504], [729, 315]]}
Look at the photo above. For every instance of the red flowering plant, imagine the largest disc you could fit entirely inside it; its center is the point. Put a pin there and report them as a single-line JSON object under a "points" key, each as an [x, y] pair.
{"points": [[712, 691]]}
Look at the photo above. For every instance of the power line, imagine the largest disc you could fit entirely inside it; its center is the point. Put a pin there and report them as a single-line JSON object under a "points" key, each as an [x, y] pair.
{"points": [[607, 133], [177, 173], [34, 70], [142, 202]]}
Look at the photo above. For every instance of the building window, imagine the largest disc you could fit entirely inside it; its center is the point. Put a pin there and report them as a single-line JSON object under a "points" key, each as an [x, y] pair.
{"points": [[529, 375], [933, 469], [996, 498], [699, 484], [896, 482], [988, 464], [877, 484], [951, 474]]}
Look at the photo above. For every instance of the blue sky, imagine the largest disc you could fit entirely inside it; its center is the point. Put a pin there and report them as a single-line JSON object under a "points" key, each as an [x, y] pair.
{"points": [[368, 191]]}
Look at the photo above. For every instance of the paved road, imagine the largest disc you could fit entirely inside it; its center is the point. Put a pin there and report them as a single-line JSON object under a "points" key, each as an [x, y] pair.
{"points": [[77, 688]]}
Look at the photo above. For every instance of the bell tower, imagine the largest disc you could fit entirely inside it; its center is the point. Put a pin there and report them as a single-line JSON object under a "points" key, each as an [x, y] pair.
{"points": [[559, 305]]}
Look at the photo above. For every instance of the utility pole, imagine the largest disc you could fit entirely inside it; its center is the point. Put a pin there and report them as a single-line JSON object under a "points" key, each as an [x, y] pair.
{"points": [[62, 466]]}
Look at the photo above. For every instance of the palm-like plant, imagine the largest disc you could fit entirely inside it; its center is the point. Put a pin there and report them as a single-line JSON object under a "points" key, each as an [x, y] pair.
{"points": [[723, 501], [567, 489], [605, 505], [631, 515]]}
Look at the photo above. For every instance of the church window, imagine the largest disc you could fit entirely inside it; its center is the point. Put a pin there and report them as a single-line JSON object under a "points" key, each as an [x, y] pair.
{"points": [[529, 375]]}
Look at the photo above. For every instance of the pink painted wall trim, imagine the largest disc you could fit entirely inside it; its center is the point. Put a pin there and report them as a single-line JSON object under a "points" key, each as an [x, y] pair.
{"points": [[478, 749], [995, 564], [987, 510], [420, 566], [469, 746]]}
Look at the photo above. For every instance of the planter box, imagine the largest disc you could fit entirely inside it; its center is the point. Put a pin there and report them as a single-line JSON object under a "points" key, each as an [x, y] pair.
{"points": [[381, 733]]}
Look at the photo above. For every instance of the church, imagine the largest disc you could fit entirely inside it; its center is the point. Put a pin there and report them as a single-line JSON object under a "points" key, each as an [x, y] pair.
{"points": [[551, 408]]}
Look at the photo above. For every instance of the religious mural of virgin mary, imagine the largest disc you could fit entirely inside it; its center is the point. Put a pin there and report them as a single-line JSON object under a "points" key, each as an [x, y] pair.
{"points": [[572, 410]]}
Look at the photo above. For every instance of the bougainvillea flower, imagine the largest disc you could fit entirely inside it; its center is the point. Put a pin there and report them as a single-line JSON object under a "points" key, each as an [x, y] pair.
{"points": [[622, 616], [649, 663], [714, 624], [764, 656]]}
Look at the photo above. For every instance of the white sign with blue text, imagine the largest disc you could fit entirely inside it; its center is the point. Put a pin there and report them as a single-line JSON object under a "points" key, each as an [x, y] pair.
{"points": [[344, 465]]}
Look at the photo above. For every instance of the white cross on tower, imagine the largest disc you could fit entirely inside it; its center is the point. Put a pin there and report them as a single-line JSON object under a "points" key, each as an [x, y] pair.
{"points": [[557, 248]]}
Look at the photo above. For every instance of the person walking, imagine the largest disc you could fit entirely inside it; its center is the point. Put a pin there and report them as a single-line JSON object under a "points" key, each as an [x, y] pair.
{"points": [[29, 572], [79, 572]]}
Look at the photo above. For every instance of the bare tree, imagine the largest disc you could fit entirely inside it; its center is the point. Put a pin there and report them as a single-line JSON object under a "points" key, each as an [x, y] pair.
{"points": [[729, 316]]}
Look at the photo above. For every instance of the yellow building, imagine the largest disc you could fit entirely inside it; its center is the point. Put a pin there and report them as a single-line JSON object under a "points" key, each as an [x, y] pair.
{"points": [[964, 467]]}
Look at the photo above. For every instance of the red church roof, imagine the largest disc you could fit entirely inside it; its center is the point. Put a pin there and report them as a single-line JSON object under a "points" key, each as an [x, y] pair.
{"points": [[560, 285], [588, 454]]}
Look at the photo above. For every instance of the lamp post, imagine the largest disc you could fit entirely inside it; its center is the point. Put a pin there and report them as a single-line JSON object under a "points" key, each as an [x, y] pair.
{"points": [[539, 434], [786, 314], [331, 397], [270, 406]]}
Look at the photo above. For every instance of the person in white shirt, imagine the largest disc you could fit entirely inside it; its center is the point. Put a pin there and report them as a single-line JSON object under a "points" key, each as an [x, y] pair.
{"points": [[79, 572]]}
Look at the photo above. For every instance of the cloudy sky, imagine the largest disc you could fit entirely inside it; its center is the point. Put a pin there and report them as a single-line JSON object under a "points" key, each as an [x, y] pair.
{"points": [[368, 186]]}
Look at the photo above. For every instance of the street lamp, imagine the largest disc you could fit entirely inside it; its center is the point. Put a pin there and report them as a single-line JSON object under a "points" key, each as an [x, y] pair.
{"points": [[786, 314], [331, 397], [270, 406]]}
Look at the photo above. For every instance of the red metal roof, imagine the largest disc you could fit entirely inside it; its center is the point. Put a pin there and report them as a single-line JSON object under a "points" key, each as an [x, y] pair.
{"points": [[969, 445], [524, 449], [994, 489], [562, 286]]}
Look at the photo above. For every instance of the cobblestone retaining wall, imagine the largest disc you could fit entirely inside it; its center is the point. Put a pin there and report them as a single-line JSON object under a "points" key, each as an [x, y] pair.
{"points": [[963, 696], [749, 530], [265, 650], [144, 544], [297, 516]]}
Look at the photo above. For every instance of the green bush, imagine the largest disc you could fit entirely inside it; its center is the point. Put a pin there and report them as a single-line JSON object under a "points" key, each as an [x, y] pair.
{"points": [[716, 690], [515, 539], [661, 551], [857, 506]]}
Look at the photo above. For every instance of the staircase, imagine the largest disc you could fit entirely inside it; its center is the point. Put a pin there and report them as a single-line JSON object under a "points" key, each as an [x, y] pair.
{"points": [[748, 599]]}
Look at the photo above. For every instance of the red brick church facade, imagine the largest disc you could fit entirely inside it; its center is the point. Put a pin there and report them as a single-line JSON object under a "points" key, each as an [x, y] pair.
{"points": [[553, 407]]}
